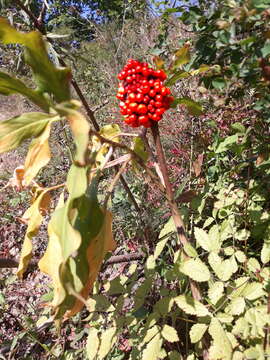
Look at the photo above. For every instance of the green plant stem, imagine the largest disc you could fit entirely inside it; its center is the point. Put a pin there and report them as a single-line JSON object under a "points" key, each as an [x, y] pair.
{"points": [[177, 218]]}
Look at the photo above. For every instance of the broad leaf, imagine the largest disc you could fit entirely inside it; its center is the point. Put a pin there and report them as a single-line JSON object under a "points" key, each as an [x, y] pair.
{"points": [[107, 341], [10, 85], [221, 341], [153, 348], [49, 79], [38, 155], [34, 217], [196, 332], [14, 131], [195, 269], [215, 291], [169, 333], [92, 344], [191, 306]]}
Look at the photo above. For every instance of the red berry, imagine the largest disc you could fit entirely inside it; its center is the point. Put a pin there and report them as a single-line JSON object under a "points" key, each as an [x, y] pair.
{"points": [[132, 96], [146, 99], [152, 102], [143, 119], [145, 71], [129, 79], [129, 111], [158, 104], [152, 93], [161, 74], [145, 89], [151, 82], [163, 91], [151, 108], [160, 111], [133, 106], [139, 97], [158, 97], [142, 109], [156, 117]]}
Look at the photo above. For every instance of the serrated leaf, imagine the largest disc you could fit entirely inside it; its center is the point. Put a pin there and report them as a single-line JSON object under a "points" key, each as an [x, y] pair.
{"points": [[196, 332], [177, 76], [92, 344], [215, 291], [38, 155], [240, 256], [202, 238], [237, 306], [169, 333], [107, 341], [153, 348], [182, 56], [10, 85], [220, 339], [253, 291], [195, 269], [191, 306], [223, 269], [48, 78], [34, 217], [190, 250], [15, 130]]}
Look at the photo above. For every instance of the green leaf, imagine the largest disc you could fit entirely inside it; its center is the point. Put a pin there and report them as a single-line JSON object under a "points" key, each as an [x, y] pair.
{"points": [[221, 341], [48, 78], [38, 155], [196, 332], [194, 108], [159, 247], [182, 56], [169, 333], [177, 76], [190, 250], [14, 131], [265, 50], [195, 269], [10, 85], [240, 256], [202, 238], [215, 291], [226, 144], [219, 83], [191, 306], [139, 148], [92, 344]]}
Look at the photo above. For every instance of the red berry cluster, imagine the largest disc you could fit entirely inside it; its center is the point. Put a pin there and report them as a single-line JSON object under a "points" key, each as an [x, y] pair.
{"points": [[143, 97]]}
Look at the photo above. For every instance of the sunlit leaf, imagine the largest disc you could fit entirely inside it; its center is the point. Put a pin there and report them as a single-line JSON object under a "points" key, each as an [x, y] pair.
{"points": [[153, 348], [107, 341], [38, 155], [15, 130], [215, 291], [92, 344], [196, 332], [34, 217], [48, 78], [221, 341], [10, 85], [195, 269], [169, 333], [191, 306]]}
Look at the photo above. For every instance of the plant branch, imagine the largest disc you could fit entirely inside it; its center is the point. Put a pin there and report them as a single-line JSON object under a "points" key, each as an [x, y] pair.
{"points": [[177, 218]]}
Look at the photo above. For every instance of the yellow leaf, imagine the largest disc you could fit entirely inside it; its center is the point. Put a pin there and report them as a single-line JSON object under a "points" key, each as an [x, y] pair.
{"points": [[153, 348], [92, 344], [38, 155], [169, 333], [34, 217], [108, 339]]}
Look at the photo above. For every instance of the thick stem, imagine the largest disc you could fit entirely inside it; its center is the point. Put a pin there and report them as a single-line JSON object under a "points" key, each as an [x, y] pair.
{"points": [[177, 218]]}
